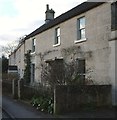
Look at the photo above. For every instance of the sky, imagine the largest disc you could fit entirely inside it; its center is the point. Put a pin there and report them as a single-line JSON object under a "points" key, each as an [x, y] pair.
{"points": [[21, 17]]}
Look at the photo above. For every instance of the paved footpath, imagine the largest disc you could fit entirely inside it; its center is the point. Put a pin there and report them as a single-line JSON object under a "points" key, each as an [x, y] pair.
{"points": [[17, 109]]}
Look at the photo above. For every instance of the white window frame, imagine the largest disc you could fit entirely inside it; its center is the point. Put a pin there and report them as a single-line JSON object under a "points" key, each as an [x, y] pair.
{"points": [[33, 45], [80, 29], [57, 37]]}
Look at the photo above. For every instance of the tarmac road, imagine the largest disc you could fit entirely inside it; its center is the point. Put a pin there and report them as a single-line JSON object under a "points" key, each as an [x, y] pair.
{"points": [[19, 110], [0, 98], [5, 115]]}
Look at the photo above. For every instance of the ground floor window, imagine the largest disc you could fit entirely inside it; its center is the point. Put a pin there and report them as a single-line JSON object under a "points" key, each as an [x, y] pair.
{"points": [[81, 69], [32, 72]]}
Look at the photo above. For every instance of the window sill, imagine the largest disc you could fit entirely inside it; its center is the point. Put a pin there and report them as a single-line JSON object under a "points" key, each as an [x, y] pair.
{"points": [[32, 53], [81, 40], [56, 45]]}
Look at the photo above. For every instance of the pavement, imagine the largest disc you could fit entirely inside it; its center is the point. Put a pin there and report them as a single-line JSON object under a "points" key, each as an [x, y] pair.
{"points": [[19, 109]]}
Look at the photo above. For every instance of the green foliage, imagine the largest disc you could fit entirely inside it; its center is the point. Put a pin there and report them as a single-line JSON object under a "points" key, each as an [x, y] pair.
{"points": [[4, 64], [43, 103], [59, 72], [13, 76], [27, 71]]}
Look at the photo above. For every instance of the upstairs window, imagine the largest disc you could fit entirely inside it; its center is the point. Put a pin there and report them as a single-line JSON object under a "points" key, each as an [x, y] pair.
{"points": [[33, 44], [57, 36], [114, 16], [81, 28]]}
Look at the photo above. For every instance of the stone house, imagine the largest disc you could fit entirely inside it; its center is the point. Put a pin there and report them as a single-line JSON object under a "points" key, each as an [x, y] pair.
{"points": [[86, 32]]}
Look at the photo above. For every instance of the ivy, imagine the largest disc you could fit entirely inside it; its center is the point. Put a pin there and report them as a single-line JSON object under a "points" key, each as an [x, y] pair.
{"points": [[43, 103], [27, 71]]}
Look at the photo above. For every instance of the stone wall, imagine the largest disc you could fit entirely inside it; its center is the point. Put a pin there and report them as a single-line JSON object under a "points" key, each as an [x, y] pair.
{"points": [[6, 87], [75, 98]]}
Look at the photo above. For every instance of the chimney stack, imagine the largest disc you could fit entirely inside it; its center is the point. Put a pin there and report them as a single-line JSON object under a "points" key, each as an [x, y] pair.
{"points": [[49, 14]]}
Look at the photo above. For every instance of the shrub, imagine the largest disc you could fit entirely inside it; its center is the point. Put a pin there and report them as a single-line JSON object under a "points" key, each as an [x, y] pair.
{"points": [[27, 70], [43, 103]]}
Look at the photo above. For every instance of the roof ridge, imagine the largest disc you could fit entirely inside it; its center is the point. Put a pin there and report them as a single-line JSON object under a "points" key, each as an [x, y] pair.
{"points": [[81, 8]]}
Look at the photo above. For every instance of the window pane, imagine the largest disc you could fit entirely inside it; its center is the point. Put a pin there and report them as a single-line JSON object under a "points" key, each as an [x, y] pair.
{"points": [[33, 50], [34, 42], [114, 16], [81, 66], [58, 31], [57, 36], [33, 72], [81, 70], [56, 40], [81, 28], [82, 33], [82, 23]]}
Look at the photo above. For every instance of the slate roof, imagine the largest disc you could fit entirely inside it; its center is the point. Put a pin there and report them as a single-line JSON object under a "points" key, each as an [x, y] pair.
{"points": [[65, 16]]}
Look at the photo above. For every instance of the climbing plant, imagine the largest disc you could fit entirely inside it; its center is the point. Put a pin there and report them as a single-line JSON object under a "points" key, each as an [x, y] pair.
{"points": [[59, 72], [27, 71], [67, 71]]}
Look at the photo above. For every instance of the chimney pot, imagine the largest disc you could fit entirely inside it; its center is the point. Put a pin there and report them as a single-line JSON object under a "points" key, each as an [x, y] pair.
{"points": [[47, 7]]}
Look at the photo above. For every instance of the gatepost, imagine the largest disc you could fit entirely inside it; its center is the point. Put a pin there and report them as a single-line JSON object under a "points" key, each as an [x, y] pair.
{"points": [[15, 88], [20, 87]]}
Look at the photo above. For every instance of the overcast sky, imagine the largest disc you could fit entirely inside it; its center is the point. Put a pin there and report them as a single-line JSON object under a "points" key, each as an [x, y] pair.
{"points": [[21, 17]]}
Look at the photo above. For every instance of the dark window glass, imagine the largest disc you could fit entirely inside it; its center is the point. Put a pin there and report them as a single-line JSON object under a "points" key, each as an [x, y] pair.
{"points": [[81, 69], [33, 44], [114, 16], [33, 72]]}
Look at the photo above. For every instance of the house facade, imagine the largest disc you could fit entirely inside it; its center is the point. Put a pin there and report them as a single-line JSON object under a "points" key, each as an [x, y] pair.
{"points": [[85, 33]]}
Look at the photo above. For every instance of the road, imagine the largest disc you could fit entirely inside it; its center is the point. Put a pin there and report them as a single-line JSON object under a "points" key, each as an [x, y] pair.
{"points": [[0, 98], [5, 115], [18, 109]]}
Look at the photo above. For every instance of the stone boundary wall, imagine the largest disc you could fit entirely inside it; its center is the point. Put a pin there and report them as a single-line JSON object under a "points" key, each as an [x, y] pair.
{"points": [[67, 98], [6, 87], [75, 98]]}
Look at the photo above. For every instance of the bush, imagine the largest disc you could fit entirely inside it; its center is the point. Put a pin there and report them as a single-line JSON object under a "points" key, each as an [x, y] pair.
{"points": [[43, 103], [13, 76], [4, 76]]}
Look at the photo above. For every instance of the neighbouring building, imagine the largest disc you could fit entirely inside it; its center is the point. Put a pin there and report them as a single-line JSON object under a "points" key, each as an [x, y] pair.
{"points": [[86, 33]]}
